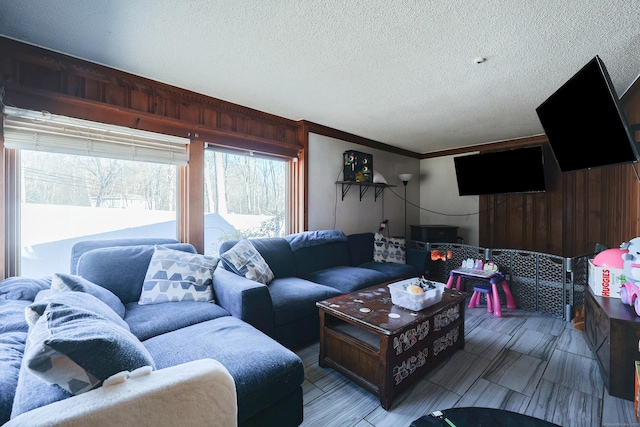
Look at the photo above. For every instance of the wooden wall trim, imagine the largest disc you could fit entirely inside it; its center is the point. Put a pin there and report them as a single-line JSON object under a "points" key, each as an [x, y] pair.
{"points": [[70, 106], [190, 215], [84, 69], [4, 244], [490, 146], [302, 178], [349, 137], [39, 79]]}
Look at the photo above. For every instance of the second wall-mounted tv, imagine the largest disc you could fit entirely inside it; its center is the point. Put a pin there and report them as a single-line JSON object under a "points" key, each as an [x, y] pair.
{"points": [[584, 123], [520, 170]]}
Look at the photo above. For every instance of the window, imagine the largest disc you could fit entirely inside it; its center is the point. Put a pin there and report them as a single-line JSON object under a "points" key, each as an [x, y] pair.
{"points": [[70, 180], [245, 197], [76, 180], [68, 198]]}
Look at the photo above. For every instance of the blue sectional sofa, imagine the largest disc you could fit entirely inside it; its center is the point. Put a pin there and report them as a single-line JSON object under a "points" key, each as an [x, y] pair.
{"points": [[268, 376], [308, 267]]}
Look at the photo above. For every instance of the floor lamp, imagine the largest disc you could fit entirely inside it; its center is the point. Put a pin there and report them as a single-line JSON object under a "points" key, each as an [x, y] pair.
{"points": [[405, 178]]}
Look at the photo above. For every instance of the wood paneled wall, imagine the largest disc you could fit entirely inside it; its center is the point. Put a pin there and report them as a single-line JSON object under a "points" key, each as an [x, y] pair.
{"points": [[578, 210], [39, 79]]}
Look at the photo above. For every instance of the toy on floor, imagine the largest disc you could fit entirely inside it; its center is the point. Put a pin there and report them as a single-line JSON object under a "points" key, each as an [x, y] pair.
{"points": [[578, 320]]}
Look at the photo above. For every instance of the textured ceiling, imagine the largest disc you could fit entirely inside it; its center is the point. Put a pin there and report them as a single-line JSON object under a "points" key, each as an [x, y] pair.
{"points": [[400, 72]]}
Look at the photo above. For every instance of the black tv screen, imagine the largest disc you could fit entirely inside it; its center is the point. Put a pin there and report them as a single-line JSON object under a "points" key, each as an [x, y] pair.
{"points": [[510, 171], [584, 123]]}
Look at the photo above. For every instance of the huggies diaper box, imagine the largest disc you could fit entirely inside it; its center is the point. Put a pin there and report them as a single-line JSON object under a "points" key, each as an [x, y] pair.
{"points": [[606, 281]]}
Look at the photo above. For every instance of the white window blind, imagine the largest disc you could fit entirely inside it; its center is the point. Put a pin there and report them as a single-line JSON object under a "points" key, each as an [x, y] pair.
{"points": [[42, 131]]}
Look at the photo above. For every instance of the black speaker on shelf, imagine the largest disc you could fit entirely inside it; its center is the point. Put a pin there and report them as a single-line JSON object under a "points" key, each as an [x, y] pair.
{"points": [[357, 166]]}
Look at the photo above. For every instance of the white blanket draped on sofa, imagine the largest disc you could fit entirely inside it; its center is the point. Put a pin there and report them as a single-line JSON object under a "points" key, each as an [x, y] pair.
{"points": [[197, 393]]}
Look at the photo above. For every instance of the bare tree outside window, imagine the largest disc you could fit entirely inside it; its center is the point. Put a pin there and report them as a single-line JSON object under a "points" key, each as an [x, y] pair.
{"points": [[67, 198], [245, 197]]}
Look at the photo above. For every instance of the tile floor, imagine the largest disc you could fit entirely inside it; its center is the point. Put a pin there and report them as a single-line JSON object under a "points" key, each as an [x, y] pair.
{"points": [[523, 362]]}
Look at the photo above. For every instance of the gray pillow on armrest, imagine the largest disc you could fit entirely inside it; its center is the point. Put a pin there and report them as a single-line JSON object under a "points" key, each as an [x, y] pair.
{"points": [[76, 342]]}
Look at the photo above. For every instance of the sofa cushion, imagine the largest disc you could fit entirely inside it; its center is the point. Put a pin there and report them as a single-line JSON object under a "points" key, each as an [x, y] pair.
{"points": [[22, 288], [314, 238], [245, 260], [320, 257], [106, 267], [295, 298], [347, 279], [146, 321], [71, 283], [13, 334], [83, 246], [174, 276], [360, 248], [77, 348], [389, 249], [263, 370], [394, 271]]}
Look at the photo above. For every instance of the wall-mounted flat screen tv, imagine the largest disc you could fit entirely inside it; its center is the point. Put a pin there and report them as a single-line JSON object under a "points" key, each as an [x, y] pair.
{"points": [[584, 123], [520, 170]]}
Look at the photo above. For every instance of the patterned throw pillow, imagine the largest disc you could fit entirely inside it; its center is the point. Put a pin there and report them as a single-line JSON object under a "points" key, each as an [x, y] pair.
{"points": [[77, 348], [245, 260], [175, 276], [388, 249]]}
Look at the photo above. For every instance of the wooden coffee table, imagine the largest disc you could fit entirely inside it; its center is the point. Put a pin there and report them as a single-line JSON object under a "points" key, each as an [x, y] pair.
{"points": [[385, 348]]}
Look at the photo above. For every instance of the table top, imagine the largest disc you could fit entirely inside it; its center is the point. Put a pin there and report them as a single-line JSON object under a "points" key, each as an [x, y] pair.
{"points": [[372, 308], [483, 274], [472, 417]]}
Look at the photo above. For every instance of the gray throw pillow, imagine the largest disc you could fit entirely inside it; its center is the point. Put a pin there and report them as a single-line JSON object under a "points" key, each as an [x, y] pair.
{"points": [[76, 347], [68, 282]]}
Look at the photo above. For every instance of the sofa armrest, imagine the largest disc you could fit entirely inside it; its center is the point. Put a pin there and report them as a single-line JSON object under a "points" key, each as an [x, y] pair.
{"points": [[157, 398], [245, 299]]}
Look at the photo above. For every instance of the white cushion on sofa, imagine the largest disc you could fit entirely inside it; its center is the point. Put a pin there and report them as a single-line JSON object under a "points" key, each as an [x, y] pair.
{"points": [[197, 393]]}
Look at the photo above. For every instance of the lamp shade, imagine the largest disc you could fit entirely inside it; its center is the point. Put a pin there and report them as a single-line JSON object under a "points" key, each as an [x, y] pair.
{"points": [[405, 177]]}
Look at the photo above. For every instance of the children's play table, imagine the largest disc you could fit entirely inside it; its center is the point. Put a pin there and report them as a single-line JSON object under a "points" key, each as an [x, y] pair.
{"points": [[491, 276]]}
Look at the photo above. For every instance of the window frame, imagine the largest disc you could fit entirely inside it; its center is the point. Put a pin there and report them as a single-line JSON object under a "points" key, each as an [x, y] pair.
{"points": [[190, 203]]}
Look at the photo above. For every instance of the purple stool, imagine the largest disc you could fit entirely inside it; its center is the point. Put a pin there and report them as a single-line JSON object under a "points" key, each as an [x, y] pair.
{"points": [[475, 298]]}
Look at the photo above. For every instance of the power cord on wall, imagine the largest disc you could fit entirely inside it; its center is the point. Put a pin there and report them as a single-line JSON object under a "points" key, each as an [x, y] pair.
{"points": [[448, 214], [384, 223], [335, 205]]}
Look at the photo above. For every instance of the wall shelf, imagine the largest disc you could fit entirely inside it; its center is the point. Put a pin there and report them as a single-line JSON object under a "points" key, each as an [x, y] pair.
{"points": [[363, 186]]}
